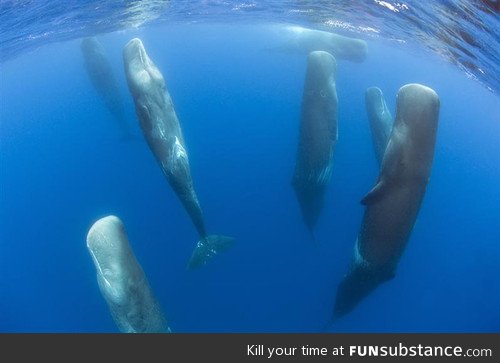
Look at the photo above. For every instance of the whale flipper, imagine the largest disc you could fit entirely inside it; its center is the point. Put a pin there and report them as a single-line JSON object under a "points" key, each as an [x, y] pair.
{"points": [[208, 247], [376, 193]]}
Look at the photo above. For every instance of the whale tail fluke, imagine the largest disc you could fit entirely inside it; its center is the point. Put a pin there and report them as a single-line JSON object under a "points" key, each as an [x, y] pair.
{"points": [[207, 248]]}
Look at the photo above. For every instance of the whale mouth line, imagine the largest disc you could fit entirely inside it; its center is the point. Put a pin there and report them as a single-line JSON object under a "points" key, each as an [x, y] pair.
{"points": [[142, 57], [99, 268], [137, 54]]}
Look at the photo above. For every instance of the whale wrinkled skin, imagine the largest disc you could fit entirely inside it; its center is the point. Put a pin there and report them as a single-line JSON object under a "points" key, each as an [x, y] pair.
{"points": [[163, 133], [122, 281], [318, 136], [393, 204]]}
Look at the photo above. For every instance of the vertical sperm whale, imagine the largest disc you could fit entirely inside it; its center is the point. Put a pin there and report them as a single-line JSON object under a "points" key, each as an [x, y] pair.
{"points": [[380, 120], [393, 204], [317, 137], [161, 128], [103, 80], [122, 281]]}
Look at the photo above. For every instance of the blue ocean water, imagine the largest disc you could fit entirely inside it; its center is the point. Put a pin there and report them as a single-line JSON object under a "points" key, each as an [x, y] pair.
{"points": [[63, 165]]}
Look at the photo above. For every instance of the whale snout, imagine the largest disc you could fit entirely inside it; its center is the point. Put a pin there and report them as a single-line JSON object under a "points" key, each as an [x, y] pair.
{"points": [[418, 106], [103, 227], [134, 47], [105, 241], [135, 54], [373, 93], [90, 45], [142, 74]]}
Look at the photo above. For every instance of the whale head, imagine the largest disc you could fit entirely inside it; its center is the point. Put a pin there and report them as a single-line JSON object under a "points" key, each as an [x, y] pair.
{"points": [[418, 107], [91, 46], [108, 245], [143, 77], [417, 116]]}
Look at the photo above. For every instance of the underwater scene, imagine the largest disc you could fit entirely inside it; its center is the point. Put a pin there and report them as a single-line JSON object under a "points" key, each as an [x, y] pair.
{"points": [[249, 166]]}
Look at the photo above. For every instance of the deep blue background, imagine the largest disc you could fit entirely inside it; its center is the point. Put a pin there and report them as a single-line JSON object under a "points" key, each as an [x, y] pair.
{"points": [[63, 166]]}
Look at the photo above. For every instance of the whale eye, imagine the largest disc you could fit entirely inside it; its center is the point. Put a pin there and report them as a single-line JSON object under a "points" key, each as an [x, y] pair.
{"points": [[322, 93]]}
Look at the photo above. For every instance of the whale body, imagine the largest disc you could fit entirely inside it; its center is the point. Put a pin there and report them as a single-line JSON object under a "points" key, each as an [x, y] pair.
{"points": [[317, 137], [393, 204], [162, 131], [122, 281], [103, 80]]}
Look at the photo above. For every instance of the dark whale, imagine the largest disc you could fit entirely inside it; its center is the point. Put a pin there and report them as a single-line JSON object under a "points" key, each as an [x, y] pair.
{"points": [[122, 281], [380, 120], [161, 128], [103, 80], [393, 204], [317, 137]]}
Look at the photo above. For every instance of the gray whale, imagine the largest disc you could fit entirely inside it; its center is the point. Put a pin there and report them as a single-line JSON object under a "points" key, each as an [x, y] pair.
{"points": [[301, 40], [393, 204], [161, 128], [103, 80], [122, 281], [318, 136], [380, 120]]}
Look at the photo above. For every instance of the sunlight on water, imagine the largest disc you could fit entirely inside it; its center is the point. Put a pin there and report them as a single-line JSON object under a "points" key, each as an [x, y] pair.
{"points": [[140, 12]]}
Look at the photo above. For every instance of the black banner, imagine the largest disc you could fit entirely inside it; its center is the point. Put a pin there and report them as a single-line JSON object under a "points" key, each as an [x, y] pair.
{"points": [[181, 347]]}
